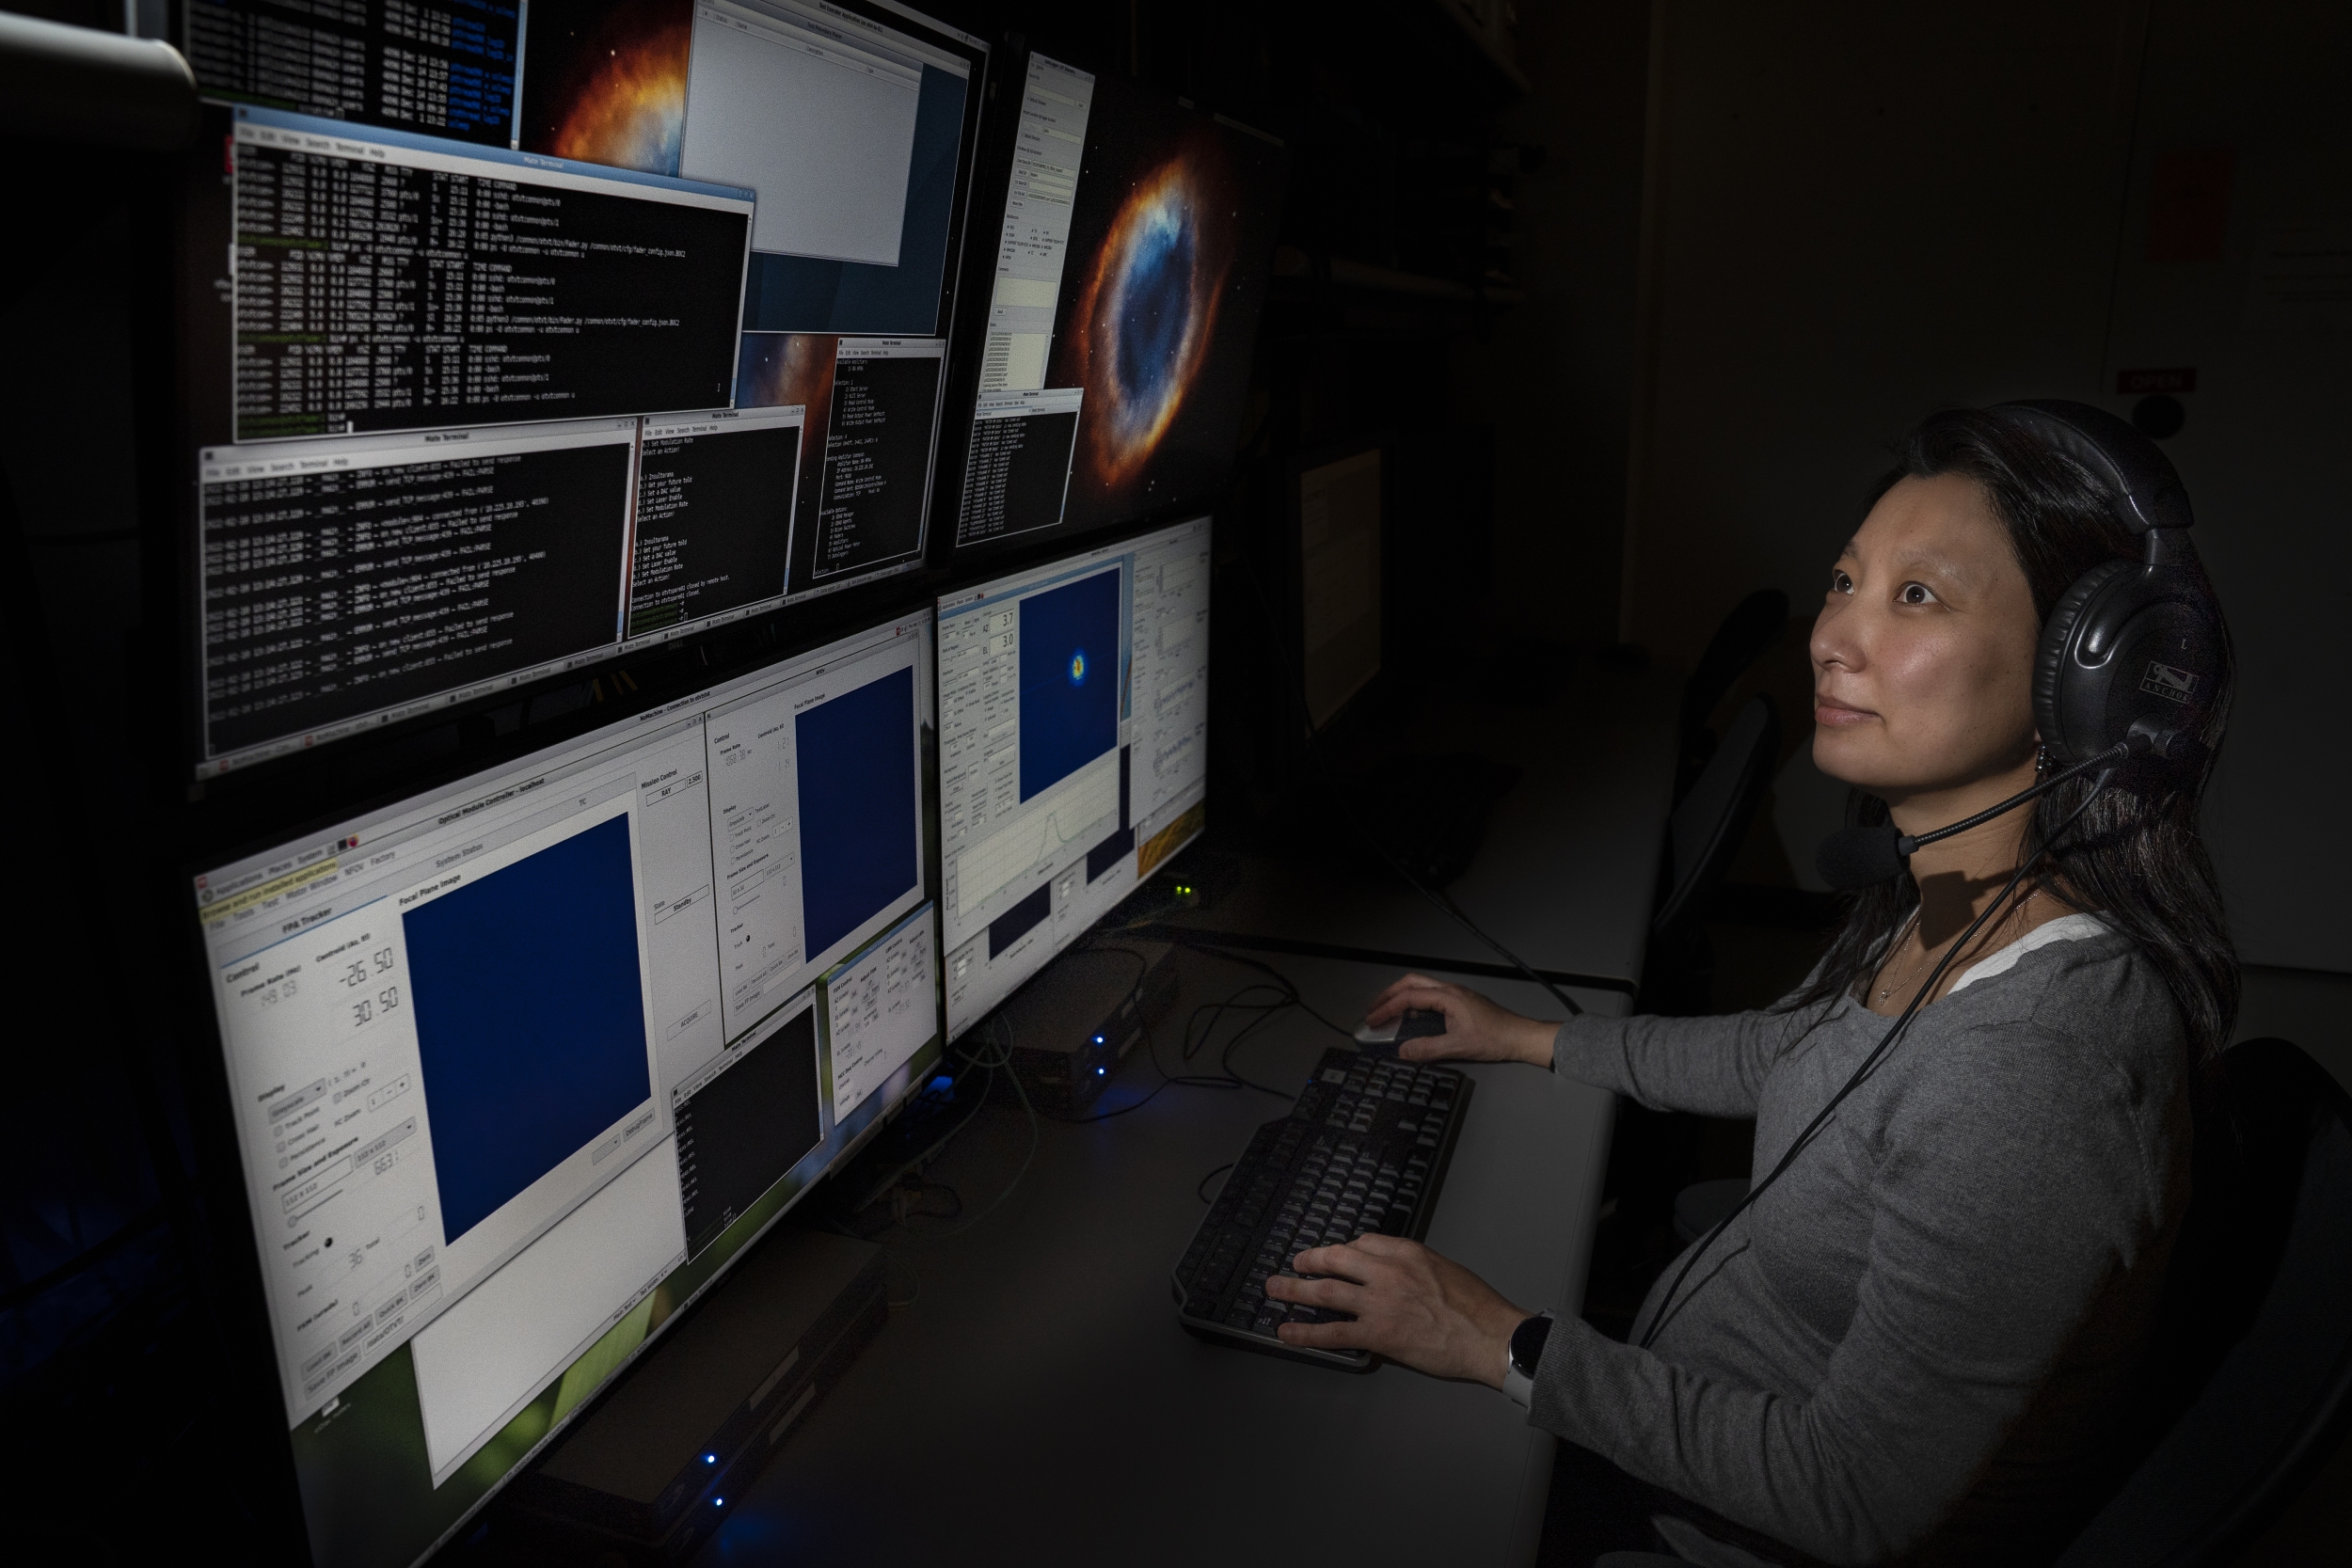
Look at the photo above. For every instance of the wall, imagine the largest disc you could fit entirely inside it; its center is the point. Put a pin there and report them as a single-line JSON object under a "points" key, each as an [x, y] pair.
{"points": [[2250, 283], [1555, 376], [1861, 213]]}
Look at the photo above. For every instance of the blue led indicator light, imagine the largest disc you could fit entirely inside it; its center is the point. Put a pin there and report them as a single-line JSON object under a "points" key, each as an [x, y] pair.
{"points": [[711, 1459]]}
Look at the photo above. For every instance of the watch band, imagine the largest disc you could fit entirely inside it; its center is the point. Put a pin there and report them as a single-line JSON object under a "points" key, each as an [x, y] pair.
{"points": [[1522, 1355]]}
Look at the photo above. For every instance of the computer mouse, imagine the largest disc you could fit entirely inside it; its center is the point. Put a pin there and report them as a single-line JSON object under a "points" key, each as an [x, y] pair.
{"points": [[1411, 1025]]}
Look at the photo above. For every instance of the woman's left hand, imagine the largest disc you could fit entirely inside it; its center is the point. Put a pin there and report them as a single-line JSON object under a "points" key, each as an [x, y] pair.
{"points": [[1411, 1305]]}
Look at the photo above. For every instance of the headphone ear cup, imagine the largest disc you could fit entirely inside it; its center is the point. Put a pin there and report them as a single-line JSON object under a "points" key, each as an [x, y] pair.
{"points": [[2057, 640]]}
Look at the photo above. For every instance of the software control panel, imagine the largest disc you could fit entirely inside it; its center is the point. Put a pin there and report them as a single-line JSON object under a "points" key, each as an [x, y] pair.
{"points": [[1073, 750]]}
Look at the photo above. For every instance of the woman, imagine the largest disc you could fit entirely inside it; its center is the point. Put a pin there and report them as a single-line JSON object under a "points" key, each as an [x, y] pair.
{"points": [[1914, 1345]]}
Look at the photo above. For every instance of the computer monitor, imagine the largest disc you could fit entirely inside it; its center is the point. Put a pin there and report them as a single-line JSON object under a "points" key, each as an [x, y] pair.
{"points": [[552, 332], [516, 1066], [1134, 239], [1074, 729]]}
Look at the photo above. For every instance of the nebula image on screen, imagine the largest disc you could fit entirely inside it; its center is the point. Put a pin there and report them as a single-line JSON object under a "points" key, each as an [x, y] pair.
{"points": [[605, 82], [1145, 315], [774, 369], [1170, 244]]}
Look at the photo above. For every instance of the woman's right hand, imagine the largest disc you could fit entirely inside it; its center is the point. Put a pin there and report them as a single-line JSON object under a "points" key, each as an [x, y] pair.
{"points": [[1476, 1030]]}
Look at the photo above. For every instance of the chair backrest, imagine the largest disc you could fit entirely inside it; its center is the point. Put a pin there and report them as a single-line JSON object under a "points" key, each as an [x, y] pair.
{"points": [[2265, 1380], [1706, 828], [1751, 627]]}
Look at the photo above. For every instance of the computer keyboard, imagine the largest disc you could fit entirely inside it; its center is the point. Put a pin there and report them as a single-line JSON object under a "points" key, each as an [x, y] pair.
{"points": [[1364, 1149]]}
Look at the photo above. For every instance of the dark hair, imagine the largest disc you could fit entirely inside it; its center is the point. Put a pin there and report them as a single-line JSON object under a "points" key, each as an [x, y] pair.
{"points": [[2136, 856]]}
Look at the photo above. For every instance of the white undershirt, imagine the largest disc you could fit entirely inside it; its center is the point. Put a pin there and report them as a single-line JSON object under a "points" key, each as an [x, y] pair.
{"points": [[2066, 927]]}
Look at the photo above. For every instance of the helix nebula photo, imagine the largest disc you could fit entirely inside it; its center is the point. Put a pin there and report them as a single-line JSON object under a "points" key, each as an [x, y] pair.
{"points": [[605, 82], [1145, 315], [1166, 278]]}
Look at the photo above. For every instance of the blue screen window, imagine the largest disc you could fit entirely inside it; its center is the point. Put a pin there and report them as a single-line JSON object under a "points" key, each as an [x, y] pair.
{"points": [[529, 1018], [1070, 674]]}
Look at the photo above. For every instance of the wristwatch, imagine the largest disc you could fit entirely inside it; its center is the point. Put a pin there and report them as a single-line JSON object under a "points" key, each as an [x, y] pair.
{"points": [[1526, 1350]]}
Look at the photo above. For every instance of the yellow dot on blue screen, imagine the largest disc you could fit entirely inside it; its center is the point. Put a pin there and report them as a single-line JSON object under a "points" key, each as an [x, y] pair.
{"points": [[1077, 667]]}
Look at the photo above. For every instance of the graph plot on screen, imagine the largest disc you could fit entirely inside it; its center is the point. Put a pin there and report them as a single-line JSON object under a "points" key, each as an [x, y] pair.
{"points": [[1080, 812]]}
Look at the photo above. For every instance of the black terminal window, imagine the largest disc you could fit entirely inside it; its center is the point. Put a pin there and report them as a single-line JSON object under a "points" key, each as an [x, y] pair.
{"points": [[714, 516], [386, 286], [350, 583], [742, 1131], [446, 68]]}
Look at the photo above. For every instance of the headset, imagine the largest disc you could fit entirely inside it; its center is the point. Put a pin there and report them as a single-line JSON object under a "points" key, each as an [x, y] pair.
{"points": [[2130, 666], [2134, 647], [2132, 655]]}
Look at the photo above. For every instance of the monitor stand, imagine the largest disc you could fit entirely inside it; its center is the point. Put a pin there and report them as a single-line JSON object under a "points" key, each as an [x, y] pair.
{"points": [[656, 1465]]}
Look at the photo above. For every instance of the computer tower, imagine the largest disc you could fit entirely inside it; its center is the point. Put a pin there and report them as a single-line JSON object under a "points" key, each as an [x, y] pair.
{"points": [[655, 1467], [1073, 1024]]}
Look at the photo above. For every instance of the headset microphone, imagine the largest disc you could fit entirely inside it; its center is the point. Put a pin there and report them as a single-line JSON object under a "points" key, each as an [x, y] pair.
{"points": [[1859, 857]]}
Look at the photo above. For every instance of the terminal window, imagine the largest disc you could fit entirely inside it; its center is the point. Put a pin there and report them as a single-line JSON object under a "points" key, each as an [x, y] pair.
{"points": [[529, 1018], [876, 490], [856, 771], [742, 1131], [391, 286], [866, 466], [714, 514], [426, 65], [345, 581]]}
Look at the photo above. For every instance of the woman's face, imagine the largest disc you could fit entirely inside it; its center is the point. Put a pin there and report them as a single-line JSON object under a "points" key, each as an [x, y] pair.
{"points": [[1923, 652]]}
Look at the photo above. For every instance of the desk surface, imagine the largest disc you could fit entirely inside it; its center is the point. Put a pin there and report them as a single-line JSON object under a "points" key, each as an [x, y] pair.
{"points": [[1568, 870], [1038, 1402]]}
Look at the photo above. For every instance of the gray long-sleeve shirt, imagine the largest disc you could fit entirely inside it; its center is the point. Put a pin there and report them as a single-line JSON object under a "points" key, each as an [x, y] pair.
{"points": [[1911, 1346]]}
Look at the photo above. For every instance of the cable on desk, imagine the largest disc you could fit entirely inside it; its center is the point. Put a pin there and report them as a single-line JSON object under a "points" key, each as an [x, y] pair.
{"points": [[1202, 1190], [1000, 1062], [1297, 688]]}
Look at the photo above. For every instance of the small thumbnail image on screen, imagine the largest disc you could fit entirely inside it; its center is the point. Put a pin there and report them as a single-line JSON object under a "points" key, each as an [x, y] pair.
{"points": [[605, 82], [1174, 219], [779, 368]]}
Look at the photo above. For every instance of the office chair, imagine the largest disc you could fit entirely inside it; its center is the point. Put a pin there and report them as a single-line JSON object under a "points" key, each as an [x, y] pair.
{"points": [[1708, 826], [2254, 1387], [1751, 627]]}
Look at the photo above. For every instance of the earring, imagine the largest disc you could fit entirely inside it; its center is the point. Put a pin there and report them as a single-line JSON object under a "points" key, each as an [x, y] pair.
{"points": [[2041, 762]]}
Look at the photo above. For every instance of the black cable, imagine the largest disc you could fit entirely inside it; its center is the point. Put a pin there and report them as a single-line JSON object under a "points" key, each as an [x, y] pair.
{"points": [[1202, 1190], [1002, 1061], [1318, 765], [2110, 758], [1283, 980], [1869, 1063]]}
